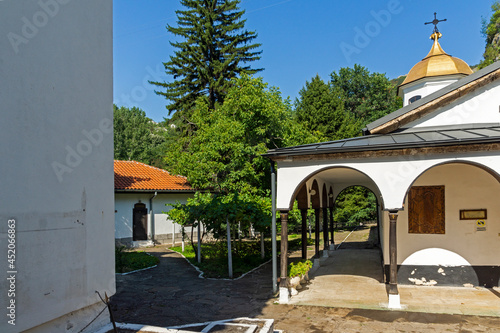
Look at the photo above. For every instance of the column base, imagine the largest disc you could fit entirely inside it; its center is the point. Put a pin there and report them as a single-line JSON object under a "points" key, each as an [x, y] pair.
{"points": [[325, 254], [394, 302], [284, 295], [332, 247]]}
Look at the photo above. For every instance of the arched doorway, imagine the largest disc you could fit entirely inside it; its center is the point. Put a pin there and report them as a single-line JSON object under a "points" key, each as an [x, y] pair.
{"points": [[140, 222], [318, 192], [356, 210]]}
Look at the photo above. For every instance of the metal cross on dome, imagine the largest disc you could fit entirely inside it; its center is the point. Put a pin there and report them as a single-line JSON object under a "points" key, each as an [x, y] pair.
{"points": [[435, 22]]}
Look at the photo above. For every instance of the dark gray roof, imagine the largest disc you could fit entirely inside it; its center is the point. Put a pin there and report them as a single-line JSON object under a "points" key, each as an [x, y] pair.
{"points": [[393, 115], [403, 138]]}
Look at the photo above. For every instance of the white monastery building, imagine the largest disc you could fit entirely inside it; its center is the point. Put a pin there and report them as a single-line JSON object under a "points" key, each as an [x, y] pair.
{"points": [[142, 197], [434, 167]]}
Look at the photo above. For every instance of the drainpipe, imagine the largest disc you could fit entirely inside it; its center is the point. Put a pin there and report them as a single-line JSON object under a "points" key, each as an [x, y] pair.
{"points": [[273, 228], [152, 216]]}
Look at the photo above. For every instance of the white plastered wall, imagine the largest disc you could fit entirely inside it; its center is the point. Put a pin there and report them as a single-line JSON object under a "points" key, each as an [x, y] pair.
{"points": [[392, 176], [427, 87], [479, 107], [56, 145], [466, 187]]}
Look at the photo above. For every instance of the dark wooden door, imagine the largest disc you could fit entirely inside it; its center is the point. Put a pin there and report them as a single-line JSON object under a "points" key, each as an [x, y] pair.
{"points": [[426, 210], [140, 223]]}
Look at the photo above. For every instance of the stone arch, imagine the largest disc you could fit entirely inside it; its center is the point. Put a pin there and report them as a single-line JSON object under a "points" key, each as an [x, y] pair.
{"points": [[492, 172], [369, 183], [302, 198], [461, 254]]}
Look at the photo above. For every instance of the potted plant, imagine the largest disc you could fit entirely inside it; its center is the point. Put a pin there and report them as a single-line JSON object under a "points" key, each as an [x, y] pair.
{"points": [[298, 273]]}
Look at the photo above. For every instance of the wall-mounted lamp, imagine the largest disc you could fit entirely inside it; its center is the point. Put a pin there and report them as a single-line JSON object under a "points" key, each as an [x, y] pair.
{"points": [[312, 192], [330, 195]]}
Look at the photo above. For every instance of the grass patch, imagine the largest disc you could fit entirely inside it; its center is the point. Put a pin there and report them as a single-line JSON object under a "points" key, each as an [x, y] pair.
{"points": [[127, 261], [246, 256]]}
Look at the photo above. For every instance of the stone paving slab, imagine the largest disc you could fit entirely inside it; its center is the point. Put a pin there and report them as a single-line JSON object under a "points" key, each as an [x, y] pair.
{"points": [[172, 294], [353, 278]]}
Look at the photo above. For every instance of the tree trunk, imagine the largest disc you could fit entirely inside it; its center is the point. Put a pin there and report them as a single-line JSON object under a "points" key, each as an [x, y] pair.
{"points": [[229, 256], [262, 249]]}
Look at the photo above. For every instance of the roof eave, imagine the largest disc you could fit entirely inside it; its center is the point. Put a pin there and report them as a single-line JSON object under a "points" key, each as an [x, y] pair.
{"points": [[288, 154]]}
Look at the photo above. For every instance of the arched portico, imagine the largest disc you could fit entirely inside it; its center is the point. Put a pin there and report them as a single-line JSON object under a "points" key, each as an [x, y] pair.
{"points": [[390, 178]]}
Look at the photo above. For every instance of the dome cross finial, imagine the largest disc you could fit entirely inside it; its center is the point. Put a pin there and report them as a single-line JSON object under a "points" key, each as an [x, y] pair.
{"points": [[435, 22]]}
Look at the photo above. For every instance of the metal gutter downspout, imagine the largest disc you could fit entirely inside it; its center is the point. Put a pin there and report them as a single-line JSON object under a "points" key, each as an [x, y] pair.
{"points": [[273, 228], [152, 216]]}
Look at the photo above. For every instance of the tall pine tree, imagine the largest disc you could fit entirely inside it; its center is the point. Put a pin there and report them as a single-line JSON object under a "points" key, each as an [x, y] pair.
{"points": [[214, 48]]}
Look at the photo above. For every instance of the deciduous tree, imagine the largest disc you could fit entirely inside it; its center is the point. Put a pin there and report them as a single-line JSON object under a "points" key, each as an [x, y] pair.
{"points": [[491, 31], [136, 137]]}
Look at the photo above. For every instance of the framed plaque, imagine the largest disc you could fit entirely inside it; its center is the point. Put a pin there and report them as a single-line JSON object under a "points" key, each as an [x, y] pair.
{"points": [[473, 214]]}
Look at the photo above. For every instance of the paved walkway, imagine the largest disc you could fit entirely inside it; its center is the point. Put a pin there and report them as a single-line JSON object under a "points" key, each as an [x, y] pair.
{"points": [[346, 295], [353, 278]]}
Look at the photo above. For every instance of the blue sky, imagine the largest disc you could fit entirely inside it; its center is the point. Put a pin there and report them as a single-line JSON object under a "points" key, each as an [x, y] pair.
{"points": [[300, 38]]}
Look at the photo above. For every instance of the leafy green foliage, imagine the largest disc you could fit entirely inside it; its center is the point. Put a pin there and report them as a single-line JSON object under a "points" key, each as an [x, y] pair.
{"points": [[214, 210], [295, 218], [299, 268], [354, 205], [491, 31], [246, 256], [225, 153], [341, 108], [368, 96], [130, 261], [136, 137], [320, 108], [213, 48]]}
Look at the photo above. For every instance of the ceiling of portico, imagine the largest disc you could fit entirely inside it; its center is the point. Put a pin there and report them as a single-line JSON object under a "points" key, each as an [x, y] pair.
{"points": [[343, 175]]}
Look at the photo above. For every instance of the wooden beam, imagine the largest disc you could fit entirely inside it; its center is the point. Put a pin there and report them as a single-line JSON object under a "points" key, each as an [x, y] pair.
{"points": [[316, 231], [304, 233], [326, 242], [393, 254]]}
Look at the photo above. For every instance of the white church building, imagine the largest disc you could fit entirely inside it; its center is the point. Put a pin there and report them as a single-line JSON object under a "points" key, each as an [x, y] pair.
{"points": [[434, 167]]}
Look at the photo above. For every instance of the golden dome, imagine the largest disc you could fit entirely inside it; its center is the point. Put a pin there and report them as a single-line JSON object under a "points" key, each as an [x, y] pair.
{"points": [[437, 63]]}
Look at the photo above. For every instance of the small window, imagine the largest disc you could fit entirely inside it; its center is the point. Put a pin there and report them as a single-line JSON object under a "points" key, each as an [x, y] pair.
{"points": [[414, 99], [426, 210]]}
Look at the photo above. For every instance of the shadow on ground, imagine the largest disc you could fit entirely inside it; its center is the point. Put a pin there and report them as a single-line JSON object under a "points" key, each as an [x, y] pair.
{"points": [[173, 294]]}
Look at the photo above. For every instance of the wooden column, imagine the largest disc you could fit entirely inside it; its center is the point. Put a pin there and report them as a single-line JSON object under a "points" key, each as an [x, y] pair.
{"points": [[316, 231], [393, 254], [284, 250], [304, 233], [326, 242], [332, 231]]}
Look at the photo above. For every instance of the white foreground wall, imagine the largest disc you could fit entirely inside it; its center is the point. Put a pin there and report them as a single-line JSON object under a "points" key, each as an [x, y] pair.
{"points": [[56, 148]]}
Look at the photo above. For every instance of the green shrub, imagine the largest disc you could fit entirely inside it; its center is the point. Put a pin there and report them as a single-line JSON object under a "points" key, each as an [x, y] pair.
{"points": [[299, 268]]}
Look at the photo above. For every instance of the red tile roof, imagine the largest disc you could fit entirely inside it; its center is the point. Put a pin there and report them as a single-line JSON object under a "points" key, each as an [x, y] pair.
{"points": [[132, 175]]}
